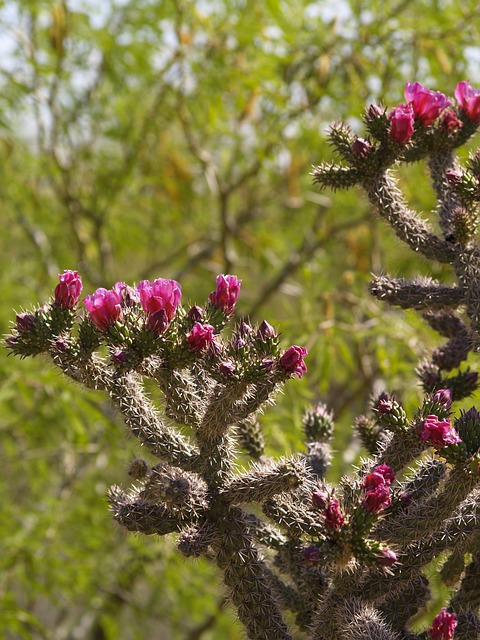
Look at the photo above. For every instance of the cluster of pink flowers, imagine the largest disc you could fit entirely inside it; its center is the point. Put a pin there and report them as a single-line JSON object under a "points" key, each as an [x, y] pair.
{"points": [[376, 491], [438, 433], [160, 300], [330, 506], [443, 626], [425, 106]]}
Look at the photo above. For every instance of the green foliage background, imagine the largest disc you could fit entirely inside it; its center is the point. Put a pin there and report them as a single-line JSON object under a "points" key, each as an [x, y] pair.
{"points": [[149, 138]]}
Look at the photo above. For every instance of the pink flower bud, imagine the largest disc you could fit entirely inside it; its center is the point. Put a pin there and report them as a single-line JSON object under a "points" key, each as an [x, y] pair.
{"points": [[157, 322], [227, 368], [195, 313], [161, 294], [226, 294], [449, 121], [372, 481], [426, 104], [266, 332], [245, 329], [443, 626], [361, 148], [468, 100], [401, 123], [61, 345], [454, 178], [311, 554], [292, 360], [438, 433], [104, 307], [68, 290], [374, 112], [333, 516], [443, 397], [320, 499], [25, 322], [119, 357], [128, 294], [387, 557], [200, 336]]}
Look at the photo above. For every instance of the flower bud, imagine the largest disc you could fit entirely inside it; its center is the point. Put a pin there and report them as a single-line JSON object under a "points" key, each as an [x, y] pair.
{"points": [[119, 357], [374, 112], [61, 345], [443, 397], [387, 557], [157, 322], [25, 322], [266, 332], [361, 148], [401, 123], [226, 294], [195, 313], [227, 368], [333, 516], [320, 499], [68, 290], [311, 554]]}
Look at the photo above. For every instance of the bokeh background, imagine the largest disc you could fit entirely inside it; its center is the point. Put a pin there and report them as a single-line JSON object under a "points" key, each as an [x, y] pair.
{"points": [[160, 138]]}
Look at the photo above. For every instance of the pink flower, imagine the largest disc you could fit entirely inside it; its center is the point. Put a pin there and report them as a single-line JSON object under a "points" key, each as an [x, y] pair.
{"points": [[372, 481], [426, 104], [401, 123], [443, 626], [387, 473], [200, 336], [226, 294], [468, 100], [159, 295], [387, 557], [333, 516], [438, 433], [292, 360], [377, 499], [104, 307], [68, 290]]}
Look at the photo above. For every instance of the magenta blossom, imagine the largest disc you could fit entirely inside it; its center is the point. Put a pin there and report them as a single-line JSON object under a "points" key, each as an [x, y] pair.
{"points": [[443, 626], [468, 100], [402, 119], [292, 360], [333, 516], [387, 472], [438, 433], [377, 499], [426, 104], [68, 290], [159, 295], [104, 307], [200, 336], [226, 294]]}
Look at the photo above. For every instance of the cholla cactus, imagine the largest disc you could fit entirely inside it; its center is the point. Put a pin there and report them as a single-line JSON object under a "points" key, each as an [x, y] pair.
{"points": [[342, 562]]}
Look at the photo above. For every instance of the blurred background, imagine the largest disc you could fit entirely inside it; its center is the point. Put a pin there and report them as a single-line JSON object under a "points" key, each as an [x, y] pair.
{"points": [[159, 138]]}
